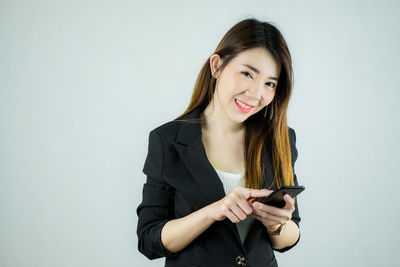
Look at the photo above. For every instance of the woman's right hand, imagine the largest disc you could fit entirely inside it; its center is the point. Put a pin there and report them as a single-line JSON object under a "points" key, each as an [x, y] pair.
{"points": [[234, 206]]}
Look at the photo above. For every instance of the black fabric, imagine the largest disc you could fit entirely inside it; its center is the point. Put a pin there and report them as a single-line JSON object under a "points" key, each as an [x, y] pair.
{"points": [[181, 180]]}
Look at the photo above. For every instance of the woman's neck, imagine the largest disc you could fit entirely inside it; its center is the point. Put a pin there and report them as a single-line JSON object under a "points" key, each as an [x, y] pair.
{"points": [[218, 124]]}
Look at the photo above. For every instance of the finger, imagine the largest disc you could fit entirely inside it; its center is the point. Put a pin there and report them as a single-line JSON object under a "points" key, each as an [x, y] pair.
{"points": [[280, 212], [236, 198], [238, 212], [269, 217], [242, 192], [261, 209], [267, 223], [248, 192], [245, 206], [260, 192], [232, 217], [242, 196], [229, 214], [289, 202]]}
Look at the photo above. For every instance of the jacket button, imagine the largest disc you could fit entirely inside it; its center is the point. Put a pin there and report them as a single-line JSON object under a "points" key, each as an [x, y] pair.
{"points": [[241, 261]]}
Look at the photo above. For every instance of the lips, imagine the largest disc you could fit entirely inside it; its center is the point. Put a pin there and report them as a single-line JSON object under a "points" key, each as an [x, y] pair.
{"points": [[240, 101], [243, 106]]}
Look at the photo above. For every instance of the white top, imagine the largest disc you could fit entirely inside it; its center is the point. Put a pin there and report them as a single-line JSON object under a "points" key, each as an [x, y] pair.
{"points": [[230, 181]]}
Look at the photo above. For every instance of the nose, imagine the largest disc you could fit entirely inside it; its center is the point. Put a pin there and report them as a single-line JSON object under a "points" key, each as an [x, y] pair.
{"points": [[256, 91]]}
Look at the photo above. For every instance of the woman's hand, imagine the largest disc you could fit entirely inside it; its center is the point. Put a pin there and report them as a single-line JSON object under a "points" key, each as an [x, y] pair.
{"points": [[233, 206], [270, 216]]}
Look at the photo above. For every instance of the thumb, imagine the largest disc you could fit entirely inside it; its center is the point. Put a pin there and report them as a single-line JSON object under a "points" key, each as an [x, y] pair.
{"points": [[289, 201]]}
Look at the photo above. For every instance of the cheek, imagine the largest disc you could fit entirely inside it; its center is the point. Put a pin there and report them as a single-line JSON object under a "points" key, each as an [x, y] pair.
{"points": [[267, 99], [269, 96], [235, 84]]}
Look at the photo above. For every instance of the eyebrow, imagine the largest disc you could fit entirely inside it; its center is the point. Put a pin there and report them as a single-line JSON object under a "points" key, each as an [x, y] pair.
{"points": [[257, 71]]}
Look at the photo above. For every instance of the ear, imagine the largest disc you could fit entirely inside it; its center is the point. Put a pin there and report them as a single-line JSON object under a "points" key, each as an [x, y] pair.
{"points": [[215, 63]]}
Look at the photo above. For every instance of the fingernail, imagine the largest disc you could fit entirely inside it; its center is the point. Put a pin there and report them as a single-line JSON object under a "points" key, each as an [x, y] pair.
{"points": [[257, 205]]}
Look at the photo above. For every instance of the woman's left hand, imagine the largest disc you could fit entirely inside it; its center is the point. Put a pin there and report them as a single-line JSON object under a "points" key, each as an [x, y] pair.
{"points": [[272, 217]]}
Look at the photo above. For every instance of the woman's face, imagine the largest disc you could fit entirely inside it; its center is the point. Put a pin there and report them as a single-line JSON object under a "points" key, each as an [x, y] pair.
{"points": [[247, 84]]}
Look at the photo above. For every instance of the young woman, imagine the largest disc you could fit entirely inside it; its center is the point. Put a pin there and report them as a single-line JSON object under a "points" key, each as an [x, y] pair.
{"points": [[230, 145]]}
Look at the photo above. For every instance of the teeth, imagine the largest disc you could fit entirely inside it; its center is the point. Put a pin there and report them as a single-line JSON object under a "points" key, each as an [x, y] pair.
{"points": [[241, 104]]}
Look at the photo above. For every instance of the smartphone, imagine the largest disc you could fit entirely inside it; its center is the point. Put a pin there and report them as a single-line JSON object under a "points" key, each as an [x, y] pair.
{"points": [[276, 197]]}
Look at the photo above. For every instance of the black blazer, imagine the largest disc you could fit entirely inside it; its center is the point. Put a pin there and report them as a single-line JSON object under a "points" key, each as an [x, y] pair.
{"points": [[181, 180]]}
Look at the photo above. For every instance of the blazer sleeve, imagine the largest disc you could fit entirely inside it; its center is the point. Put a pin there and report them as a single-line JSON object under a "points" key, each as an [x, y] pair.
{"points": [[295, 216], [155, 209]]}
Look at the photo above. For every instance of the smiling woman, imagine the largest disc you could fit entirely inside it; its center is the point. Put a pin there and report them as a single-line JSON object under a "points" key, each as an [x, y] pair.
{"points": [[243, 87], [231, 144]]}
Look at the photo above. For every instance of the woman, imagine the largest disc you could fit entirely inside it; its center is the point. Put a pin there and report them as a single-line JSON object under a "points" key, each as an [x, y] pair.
{"points": [[232, 144]]}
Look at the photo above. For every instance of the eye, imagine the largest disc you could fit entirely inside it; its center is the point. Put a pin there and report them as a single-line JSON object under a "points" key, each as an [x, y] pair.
{"points": [[245, 74], [271, 84]]}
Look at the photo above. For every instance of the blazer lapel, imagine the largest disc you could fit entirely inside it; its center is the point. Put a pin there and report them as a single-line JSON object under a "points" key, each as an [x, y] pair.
{"points": [[189, 144], [208, 187]]}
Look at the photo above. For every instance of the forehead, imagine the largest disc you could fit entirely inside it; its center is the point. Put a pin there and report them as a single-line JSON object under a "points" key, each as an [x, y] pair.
{"points": [[261, 59]]}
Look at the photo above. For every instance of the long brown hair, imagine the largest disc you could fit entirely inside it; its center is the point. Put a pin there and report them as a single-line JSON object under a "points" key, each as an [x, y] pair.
{"points": [[246, 34]]}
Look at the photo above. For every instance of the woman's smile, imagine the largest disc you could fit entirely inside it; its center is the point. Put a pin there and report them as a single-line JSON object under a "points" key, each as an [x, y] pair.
{"points": [[245, 85], [243, 106]]}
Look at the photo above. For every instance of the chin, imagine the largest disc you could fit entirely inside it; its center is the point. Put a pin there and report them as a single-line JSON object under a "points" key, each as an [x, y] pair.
{"points": [[241, 119]]}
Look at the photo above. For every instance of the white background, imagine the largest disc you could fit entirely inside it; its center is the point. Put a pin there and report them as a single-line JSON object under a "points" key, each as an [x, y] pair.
{"points": [[83, 82]]}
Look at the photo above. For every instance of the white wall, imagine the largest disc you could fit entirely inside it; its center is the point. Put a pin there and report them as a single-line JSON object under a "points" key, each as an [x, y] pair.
{"points": [[83, 82]]}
